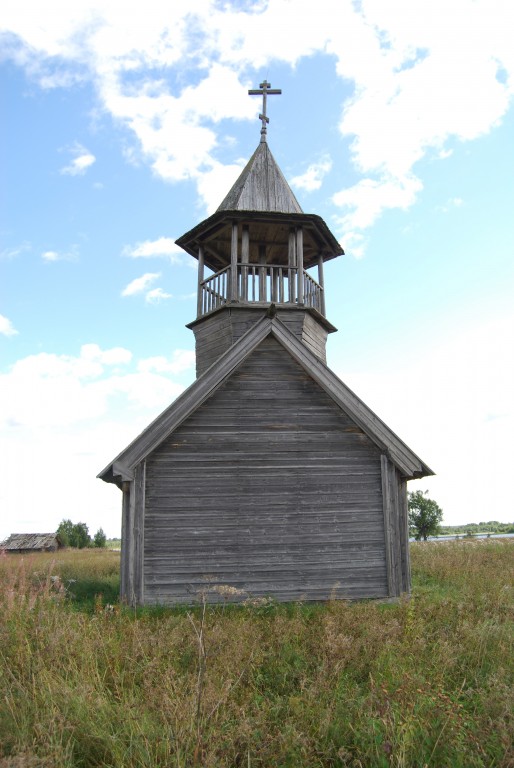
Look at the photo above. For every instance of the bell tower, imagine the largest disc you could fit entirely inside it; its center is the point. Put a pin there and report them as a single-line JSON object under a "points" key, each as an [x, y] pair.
{"points": [[255, 256]]}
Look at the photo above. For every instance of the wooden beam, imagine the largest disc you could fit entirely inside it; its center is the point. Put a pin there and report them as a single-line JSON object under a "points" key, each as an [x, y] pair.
{"points": [[130, 595], [245, 258], [120, 470], [292, 263], [299, 262], [404, 534], [262, 273], [220, 259], [125, 542], [199, 298], [321, 281], [233, 263], [138, 532]]}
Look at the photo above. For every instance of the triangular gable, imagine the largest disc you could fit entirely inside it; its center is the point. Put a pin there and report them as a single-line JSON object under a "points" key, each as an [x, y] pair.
{"points": [[407, 462]]}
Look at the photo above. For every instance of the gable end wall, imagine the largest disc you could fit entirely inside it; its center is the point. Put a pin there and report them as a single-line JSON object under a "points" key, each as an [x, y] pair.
{"points": [[267, 487]]}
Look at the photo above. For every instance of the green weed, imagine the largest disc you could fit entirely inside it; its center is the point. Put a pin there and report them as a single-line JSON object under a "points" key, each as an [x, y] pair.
{"points": [[428, 681]]}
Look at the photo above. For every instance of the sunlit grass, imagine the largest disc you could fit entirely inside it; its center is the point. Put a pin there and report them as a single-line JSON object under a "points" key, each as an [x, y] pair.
{"points": [[425, 682]]}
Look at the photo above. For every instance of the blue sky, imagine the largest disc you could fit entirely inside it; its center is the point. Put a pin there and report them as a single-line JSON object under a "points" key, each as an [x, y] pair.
{"points": [[124, 126]]}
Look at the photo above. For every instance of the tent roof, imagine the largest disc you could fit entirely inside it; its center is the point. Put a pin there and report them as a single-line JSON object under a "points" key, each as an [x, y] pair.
{"points": [[261, 187]]}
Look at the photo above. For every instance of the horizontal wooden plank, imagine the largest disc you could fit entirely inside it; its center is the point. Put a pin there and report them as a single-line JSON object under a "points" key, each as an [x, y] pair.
{"points": [[268, 484]]}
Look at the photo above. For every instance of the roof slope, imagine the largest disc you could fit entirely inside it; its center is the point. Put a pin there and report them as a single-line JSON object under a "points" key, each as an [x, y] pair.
{"points": [[121, 468], [30, 541], [261, 187]]}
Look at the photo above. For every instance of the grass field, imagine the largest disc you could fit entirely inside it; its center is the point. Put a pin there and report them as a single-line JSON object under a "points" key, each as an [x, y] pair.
{"points": [[425, 682]]}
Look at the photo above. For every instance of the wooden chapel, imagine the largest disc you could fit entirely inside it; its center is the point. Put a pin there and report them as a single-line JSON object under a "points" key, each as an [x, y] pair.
{"points": [[268, 474]]}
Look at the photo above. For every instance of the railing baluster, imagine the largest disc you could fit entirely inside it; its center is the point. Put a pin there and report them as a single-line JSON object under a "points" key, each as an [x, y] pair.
{"points": [[264, 283], [274, 284]]}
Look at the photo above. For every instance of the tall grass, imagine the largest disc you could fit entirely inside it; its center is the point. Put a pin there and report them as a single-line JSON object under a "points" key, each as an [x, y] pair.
{"points": [[425, 682]]}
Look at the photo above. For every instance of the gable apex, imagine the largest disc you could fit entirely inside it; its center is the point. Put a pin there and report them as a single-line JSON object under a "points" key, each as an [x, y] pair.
{"points": [[121, 468]]}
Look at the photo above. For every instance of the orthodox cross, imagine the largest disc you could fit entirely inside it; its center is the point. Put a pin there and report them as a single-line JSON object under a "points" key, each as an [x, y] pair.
{"points": [[264, 90]]}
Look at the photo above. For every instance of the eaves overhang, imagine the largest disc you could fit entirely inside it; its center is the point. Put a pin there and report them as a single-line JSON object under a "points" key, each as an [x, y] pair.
{"points": [[324, 243]]}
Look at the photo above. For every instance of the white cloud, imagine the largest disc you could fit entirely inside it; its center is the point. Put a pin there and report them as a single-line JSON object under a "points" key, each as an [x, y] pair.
{"points": [[149, 249], [216, 183], [53, 256], [6, 327], [423, 74], [354, 244], [156, 295], [181, 360], [367, 199], [452, 404], [452, 202], [82, 160], [113, 356], [65, 417], [50, 256], [313, 176], [12, 253], [140, 284], [48, 389], [414, 92]]}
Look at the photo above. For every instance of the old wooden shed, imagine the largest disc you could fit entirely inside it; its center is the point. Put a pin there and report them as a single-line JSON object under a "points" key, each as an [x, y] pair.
{"points": [[268, 474], [23, 543]]}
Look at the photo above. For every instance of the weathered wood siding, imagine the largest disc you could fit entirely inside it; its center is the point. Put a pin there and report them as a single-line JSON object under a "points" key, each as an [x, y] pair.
{"points": [[314, 336], [396, 520], [216, 333], [267, 487], [132, 537]]}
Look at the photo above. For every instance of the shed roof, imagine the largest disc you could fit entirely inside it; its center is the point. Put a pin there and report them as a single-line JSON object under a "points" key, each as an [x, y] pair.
{"points": [[34, 541], [121, 468]]}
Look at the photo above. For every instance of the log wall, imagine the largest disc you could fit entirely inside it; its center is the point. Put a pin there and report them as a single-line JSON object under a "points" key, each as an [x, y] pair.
{"points": [[267, 487], [215, 333]]}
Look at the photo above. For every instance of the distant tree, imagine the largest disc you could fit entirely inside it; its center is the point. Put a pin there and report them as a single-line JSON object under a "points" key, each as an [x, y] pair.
{"points": [[74, 534], [82, 537], [424, 515], [66, 533], [99, 539]]}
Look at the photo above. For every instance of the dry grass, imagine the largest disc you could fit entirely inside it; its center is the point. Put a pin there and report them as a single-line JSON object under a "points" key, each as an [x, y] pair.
{"points": [[426, 682]]}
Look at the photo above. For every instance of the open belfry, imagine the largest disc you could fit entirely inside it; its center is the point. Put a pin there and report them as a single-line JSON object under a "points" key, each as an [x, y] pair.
{"points": [[267, 476]]}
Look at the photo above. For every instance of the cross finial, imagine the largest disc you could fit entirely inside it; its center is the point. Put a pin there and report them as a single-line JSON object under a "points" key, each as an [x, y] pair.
{"points": [[264, 90]]}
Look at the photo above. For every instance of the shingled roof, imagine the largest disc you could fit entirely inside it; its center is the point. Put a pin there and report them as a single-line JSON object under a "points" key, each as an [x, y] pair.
{"points": [[31, 541], [261, 187]]}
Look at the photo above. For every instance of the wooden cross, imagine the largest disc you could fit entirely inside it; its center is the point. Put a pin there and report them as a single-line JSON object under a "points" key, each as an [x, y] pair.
{"points": [[264, 90]]}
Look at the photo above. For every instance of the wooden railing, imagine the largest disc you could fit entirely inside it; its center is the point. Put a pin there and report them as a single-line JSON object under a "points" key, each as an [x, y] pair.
{"points": [[312, 296], [214, 291], [256, 283]]}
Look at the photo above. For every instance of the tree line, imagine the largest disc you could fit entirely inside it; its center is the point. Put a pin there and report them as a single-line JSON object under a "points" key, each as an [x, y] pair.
{"points": [[493, 526], [425, 516], [77, 535]]}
